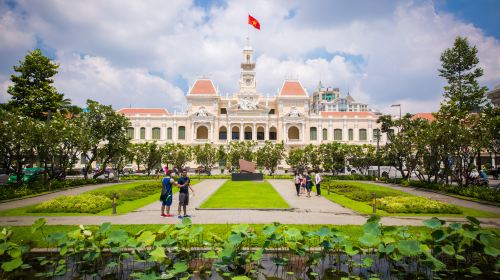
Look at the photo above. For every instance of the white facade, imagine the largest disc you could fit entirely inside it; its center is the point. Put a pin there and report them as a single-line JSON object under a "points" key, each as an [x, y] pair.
{"points": [[290, 116]]}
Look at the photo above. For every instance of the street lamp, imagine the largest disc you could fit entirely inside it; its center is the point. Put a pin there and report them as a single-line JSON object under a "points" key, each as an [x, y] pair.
{"points": [[378, 156], [397, 105]]}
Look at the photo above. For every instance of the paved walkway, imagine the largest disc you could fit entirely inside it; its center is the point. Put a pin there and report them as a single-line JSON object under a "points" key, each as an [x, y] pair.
{"points": [[313, 210], [443, 198]]}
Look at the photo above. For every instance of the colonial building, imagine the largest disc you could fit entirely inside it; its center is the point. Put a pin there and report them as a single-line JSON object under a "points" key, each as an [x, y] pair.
{"points": [[292, 116]]}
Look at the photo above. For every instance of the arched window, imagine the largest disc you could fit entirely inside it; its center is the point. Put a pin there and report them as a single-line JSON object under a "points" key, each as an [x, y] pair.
{"points": [[169, 133], [362, 134], [248, 133], [351, 134], [156, 133], [260, 133], [325, 134], [130, 132], [143, 133], [182, 133], [202, 132], [272, 133], [337, 134], [313, 133], [293, 133], [222, 133], [235, 133]]}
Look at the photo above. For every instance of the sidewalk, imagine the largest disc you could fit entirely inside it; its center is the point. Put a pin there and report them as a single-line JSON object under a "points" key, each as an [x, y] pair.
{"points": [[313, 210]]}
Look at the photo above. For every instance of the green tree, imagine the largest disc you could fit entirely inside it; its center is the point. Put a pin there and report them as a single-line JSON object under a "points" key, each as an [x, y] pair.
{"points": [[105, 135], [17, 138], [206, 155], [32, 91], [297, 159], [221, 157], [176, 154], [270, 155], [402, 146], [333, 156], [362, 157], [462, 94], [149, 154], [463, 97], [240, 150], [312, 155]]}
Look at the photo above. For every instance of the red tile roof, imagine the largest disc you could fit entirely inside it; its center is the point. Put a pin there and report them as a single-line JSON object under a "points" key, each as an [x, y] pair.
{"points": [[427, 116], [143, 111], [203, 86], [292, 88], [348, 114]]}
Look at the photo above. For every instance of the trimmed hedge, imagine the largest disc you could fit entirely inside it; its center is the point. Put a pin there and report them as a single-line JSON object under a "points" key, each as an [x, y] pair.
{"points": [[353, 177], [134, 193], [356, 193], [411, 204], [16, 191], [479, 192], [83, 203]]}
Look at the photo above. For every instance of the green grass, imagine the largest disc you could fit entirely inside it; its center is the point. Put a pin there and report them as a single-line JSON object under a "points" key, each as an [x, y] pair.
{"points": [[125, 207], [364, 208], [245, 194]]}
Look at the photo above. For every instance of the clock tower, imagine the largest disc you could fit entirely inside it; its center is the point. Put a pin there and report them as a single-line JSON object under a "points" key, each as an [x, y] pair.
{"points": [[247, 78]]}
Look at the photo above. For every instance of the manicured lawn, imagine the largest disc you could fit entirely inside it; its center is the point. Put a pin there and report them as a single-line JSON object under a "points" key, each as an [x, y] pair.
{"points": [[123, 208], [245, 194], [365, 208]]}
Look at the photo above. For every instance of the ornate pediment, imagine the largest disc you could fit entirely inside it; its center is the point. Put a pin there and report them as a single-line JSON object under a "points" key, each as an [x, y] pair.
{"points": [[202, 114], [294, 113]]}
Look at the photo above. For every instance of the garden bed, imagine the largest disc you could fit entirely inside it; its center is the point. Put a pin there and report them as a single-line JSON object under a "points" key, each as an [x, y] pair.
{"points": [[131, 196], [245, 195], [359, 197]]}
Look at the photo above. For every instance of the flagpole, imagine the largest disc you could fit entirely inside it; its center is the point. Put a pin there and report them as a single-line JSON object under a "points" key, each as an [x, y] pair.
{"points": [[248, 29]]}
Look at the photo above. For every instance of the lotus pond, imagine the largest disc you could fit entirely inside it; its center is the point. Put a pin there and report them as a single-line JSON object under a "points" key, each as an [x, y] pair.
{"points": [[186, 251]]}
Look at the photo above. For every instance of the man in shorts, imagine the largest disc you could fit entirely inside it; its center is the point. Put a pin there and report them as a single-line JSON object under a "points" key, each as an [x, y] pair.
{"points": [[166, 194], [184, 185]]}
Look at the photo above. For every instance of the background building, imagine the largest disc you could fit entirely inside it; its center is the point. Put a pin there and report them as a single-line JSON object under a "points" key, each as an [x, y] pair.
{"points": [[292, 116]]}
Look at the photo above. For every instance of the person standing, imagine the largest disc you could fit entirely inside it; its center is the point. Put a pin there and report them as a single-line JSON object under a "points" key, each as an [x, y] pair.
{"points": [[302, 183], [308, 184], [317, 180], [184, 184], [166, 194], [296, 180]]}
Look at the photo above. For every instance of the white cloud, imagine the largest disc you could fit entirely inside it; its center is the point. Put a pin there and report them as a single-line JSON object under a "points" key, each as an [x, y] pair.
{"points": [[87, 77], [400, 44]]}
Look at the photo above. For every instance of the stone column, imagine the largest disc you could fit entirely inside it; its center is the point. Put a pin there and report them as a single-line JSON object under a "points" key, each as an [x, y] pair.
{"points": [[254, 132], [242, 132]]}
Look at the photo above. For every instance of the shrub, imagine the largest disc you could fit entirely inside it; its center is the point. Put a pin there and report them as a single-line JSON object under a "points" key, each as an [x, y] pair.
{"points": [[410, 204], [83, 203], [133, 193], [15, 191], [353, 177], [479, 192], [357, 193]]}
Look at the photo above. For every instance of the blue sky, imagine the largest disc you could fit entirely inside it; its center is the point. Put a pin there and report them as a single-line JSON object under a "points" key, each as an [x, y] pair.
{"points": [[148, 53]]}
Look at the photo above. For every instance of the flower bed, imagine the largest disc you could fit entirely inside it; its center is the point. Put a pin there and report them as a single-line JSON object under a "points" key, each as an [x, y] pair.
{"points": [[83, 203], [357, 193], [412, 204]]}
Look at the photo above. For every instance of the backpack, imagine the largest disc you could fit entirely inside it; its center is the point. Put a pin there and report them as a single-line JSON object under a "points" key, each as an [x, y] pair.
{"points": [[165, 185]]}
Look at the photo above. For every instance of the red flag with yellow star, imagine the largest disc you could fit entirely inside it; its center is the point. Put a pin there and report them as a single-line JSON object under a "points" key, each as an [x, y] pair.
{"points": [[253, 22]]}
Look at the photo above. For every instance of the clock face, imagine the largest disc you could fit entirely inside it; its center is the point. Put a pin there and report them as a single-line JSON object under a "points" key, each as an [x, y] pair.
{"points": [[248, 81]]}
